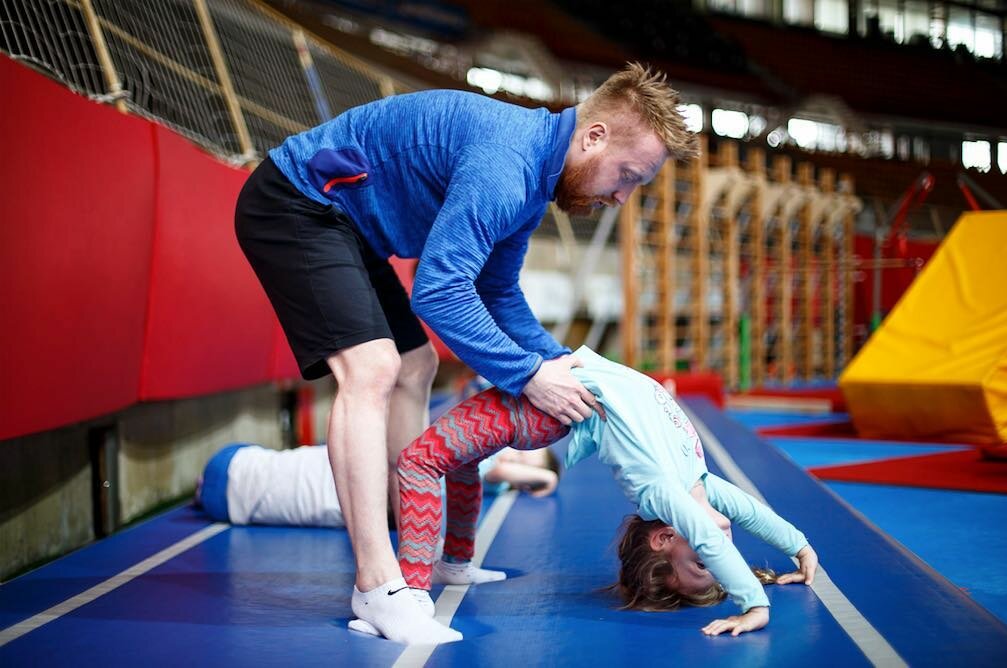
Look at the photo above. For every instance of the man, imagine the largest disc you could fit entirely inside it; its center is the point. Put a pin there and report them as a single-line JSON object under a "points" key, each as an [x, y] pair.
{"points": [[459, 181]]}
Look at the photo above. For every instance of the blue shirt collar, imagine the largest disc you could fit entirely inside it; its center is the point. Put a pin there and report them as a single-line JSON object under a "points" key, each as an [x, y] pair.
{"points": [[564, 131]]}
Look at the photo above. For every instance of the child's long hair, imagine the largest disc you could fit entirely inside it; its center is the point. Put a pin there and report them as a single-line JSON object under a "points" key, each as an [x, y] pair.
{"points": [[643, 573]]}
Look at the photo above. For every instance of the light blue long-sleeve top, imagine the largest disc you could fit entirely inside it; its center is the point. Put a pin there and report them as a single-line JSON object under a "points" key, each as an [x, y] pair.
{"points": [[658, 458], [459, 181]]}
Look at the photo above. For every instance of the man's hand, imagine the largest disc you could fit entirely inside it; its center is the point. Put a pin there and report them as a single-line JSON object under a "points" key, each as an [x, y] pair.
{"points": [[555, 391], [807, 564], [753, 620]]}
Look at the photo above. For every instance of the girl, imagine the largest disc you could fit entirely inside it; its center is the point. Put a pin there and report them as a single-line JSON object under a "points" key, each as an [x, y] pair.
{"points": [[658, 461]]}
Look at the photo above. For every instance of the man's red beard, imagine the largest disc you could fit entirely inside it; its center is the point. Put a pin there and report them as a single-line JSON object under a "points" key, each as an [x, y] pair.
{"points": [[571, 195]]}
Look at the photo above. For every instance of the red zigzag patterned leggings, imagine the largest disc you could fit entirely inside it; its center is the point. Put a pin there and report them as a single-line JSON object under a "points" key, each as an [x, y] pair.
{"points": [[452, 447]]}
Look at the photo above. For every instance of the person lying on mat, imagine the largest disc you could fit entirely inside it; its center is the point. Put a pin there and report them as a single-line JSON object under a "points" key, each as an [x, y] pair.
{"points": [[250, 484], [657, 458]]}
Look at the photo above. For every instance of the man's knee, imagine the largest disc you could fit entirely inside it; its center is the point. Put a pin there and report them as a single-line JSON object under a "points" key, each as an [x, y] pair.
{"points": [[367, 370], [419, 366]]}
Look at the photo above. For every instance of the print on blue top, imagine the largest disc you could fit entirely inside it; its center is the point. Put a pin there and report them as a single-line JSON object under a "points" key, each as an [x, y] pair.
{"points": [[459, 181]]}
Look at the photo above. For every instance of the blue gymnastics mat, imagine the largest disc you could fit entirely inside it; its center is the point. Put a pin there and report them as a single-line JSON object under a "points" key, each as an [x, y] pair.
{"points": [[180, 589]]}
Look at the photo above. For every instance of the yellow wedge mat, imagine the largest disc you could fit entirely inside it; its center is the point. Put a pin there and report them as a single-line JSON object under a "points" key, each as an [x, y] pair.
{"points": [[937, 367]]}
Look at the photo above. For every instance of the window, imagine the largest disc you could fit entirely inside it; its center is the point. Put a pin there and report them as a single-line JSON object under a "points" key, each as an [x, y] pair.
{"points": [[726, 6], [879, 142], [960, 29], [989, 38], [800, 12], [889, 17], [977, 154], [813, 135], [803, 132], [758, 9], [485, 78], [943, 24], [728, 123], [902, 147], [491, 81], [693, 114], [915, 21], [832, 16], [938, 28]]}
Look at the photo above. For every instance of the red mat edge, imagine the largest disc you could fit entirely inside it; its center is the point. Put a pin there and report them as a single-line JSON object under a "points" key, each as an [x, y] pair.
{"points": [[963, 470]]}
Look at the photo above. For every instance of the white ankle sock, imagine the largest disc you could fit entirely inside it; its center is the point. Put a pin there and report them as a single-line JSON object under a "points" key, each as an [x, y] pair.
{"points": [[422, 597], [394, 612], [464, 573]]}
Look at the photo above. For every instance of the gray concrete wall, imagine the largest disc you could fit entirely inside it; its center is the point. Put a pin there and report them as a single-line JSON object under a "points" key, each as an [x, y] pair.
{"points": [[45, 479], [45, 497], [163, 446], [325, 392]]}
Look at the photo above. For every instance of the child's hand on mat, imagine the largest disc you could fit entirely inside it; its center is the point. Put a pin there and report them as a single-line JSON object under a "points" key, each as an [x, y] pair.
{"points": [[753, 620], [807, 564]]}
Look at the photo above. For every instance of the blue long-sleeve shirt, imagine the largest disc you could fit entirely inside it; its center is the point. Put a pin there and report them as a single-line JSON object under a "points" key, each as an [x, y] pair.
{"points": [[459, 181], [657, 457]]}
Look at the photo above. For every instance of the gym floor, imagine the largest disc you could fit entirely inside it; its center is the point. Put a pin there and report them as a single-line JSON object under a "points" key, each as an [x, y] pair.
{"points": [[897, 587]]}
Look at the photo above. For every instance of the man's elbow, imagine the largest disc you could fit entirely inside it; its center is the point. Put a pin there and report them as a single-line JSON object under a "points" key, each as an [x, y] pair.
{"points": [[421, 304], [432, 298]]}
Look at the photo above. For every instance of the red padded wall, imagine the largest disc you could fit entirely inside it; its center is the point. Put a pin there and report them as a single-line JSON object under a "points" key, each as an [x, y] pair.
{"points": [[76, 196], [284, 366], [210, 327], [894, 282]]}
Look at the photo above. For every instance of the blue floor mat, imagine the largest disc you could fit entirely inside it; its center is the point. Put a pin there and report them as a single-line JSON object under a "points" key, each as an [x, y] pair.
{"points": [[812, 452], [959, 534], [758, 419]]}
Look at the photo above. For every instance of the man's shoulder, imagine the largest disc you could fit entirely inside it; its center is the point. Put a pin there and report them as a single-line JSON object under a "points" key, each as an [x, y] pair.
{"points": [[455, 101]]}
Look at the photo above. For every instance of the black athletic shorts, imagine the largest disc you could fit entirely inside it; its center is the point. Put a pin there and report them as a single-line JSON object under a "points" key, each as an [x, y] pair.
{"points": [[327, 286]]}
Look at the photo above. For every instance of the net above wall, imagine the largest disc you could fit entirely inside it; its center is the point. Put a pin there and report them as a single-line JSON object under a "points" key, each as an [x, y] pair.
{"points": [[53, 37], [160, 54], [231, 75]]}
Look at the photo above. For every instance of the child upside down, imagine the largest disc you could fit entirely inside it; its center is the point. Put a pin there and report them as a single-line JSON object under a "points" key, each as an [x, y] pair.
{"points": [[682, 552]]}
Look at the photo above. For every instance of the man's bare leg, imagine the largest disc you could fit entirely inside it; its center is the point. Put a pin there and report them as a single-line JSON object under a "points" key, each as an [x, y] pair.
{"points": [[409, 410], [366, 374]]}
